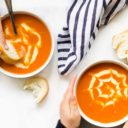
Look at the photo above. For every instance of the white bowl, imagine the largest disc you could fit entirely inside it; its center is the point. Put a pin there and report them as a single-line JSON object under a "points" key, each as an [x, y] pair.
{"points": [[96, 123], [49, 58]]}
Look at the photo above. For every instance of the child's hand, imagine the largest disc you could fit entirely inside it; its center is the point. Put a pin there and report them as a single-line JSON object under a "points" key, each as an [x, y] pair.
{"points": [[126, 125], [69, 114]]}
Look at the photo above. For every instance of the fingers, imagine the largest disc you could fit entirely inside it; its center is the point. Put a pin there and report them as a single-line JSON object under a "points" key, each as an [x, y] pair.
{"points": [[67, 98], [71, 85], [69, 92], [73, 104], [126, 125]]}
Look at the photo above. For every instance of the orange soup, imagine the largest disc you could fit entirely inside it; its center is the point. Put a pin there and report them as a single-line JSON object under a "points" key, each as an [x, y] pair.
{"points": [[34, 36], [102, 93]]}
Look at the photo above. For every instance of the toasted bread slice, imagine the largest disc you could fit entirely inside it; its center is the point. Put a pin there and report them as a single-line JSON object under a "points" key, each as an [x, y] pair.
{"points": [[39, 86]]}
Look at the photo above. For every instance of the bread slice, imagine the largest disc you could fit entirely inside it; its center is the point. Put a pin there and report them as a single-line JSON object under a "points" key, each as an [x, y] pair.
{"points": [[39, 87], [122, 51], [119, 38], [11, 55], [120, 45]]}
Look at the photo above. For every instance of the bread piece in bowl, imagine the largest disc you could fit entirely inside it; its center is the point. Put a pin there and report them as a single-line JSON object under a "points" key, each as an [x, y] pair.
{"points": [[8, 53], [11, 55]]}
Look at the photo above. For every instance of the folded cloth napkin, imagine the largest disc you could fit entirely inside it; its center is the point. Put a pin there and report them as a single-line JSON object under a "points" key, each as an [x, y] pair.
{"points": [[84, 18]]}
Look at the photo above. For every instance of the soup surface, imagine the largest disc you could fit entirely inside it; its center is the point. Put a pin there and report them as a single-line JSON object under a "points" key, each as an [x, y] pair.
{"points": [[102, 93], [34, 36]]}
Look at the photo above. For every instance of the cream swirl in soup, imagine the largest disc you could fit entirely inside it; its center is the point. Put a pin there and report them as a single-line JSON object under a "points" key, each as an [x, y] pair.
{"points": [[32, 50], [102, 92]]}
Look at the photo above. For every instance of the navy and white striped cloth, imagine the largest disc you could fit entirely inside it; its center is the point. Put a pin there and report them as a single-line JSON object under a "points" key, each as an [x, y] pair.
{"points": [[84, 18]]}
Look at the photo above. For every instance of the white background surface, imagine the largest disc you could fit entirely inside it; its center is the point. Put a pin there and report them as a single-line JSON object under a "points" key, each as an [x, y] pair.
{"points": [[17, 109]]}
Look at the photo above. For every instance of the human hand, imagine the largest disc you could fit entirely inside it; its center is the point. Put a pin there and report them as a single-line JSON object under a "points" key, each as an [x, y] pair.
{"points": [[126, 125], [69, 114]]}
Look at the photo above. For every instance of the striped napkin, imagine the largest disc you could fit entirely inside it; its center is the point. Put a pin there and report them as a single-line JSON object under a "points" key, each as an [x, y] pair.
{"points": [[84, 18]]}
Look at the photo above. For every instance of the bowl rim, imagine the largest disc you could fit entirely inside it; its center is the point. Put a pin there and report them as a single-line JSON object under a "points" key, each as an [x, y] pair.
{"points": [[38, 70], [96, 123]]}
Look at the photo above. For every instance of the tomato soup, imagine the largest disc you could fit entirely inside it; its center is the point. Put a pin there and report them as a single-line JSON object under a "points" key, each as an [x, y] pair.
{"points": [[102, 93], [34, 36]]}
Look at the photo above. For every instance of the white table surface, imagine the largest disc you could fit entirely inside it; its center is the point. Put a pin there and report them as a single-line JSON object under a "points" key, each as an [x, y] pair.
{"points": [[17, 109]]}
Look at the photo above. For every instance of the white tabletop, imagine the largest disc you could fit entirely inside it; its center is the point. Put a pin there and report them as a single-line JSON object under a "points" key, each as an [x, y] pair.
{"points": [[17, 109]]}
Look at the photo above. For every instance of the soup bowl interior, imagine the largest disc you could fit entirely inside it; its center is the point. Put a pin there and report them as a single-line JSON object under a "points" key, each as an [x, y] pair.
{"points": [[43, 66], [91, 121]]}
